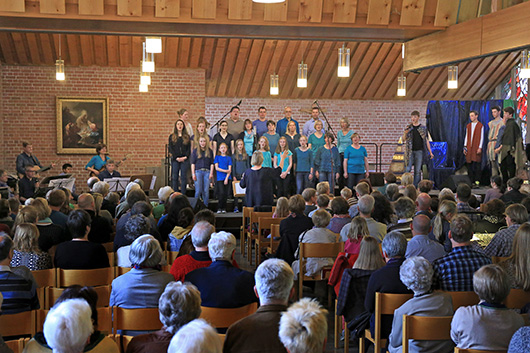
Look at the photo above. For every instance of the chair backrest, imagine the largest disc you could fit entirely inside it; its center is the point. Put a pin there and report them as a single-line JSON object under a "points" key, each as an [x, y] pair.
{"points": [[104, 319], [463, 299], [109, 247], [224, 317], [122, 270], [21, 324], [112, 258], [136, 319], [320, 249], [171, 256], [52, 294], [255, 216], [461, 350], [246, 213], [266, 223], [275, 230], [17, 346], [96, 277], [517, 299], [387, 303], [425, 328], [45, 278]]}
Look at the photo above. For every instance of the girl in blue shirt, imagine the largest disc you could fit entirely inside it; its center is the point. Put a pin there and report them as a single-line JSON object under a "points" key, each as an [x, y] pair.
{"points": [[304, 165], [202, 168], [265, 150], [240, 164], [249, 137], [223, 166], [355, 162], [283, 158]]}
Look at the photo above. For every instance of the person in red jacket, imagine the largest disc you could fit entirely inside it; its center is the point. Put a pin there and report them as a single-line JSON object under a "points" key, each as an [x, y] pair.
{"points": [[473, 146]]}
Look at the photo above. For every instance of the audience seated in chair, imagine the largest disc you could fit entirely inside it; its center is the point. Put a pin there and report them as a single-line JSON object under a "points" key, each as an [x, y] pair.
{"points": [[487, 325], [196, 337], [463, 194], [139, 206], [423, 205], [416, 273], [322, 204], [512, 194], [135, 227], [26, 250], [259, 331], [366, 207], [303, 327], [501, 244], [361, 189], [79, 253], [171, 220], [339, 209], [177, 237], [56, 200], [517, 266], [100, 227], [50, 234], [421, 244], [3, 347], [163, 197], [405, 209], [520, 342], [179, 304], [124, 205], [493, 219], [441, 225]]}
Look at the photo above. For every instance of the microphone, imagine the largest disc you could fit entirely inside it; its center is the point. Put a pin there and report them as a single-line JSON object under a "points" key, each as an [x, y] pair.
{"points": [[316, 101], [238, 104]]}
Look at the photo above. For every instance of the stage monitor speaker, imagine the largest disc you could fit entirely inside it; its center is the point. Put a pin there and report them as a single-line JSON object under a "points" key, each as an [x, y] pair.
{"points": [[453, 181], [196, 204], [377, 179]]}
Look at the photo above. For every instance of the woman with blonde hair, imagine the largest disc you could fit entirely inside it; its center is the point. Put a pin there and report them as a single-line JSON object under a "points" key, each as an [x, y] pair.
{"points": [[517, 266], [282, 208], [27, 214], [406, 179], [26, 251], [441, 224]]}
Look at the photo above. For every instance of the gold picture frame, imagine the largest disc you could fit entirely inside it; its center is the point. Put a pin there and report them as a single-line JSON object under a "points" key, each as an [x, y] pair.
{"points": [[82, 124]]}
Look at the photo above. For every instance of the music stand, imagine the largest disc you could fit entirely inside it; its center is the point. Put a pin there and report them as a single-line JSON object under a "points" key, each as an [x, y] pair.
{"points": [[55, 177], [238, 190], [117, 184], [67, 183]]}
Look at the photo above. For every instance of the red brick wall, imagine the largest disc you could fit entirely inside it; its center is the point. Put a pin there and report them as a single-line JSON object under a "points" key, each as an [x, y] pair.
{"points": [[139, 123], [376, 121]]}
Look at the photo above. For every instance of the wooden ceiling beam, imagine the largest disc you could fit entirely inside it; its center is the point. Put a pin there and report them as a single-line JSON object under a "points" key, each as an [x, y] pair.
{"points": [[412, 12]]}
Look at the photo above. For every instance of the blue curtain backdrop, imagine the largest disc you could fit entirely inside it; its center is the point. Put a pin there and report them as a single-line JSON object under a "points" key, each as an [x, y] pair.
{"points": [[447, 120]]}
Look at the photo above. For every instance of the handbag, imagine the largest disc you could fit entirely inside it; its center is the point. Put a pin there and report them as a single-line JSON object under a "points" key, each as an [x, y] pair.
{"points": [[359, 324]]}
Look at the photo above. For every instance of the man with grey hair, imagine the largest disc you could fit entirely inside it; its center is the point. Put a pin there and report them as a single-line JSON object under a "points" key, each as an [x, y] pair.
{"points": [[259, 331], [221, 284], [366, 207], [198, 258], [416, 273], [386, 279], [405, 209]]}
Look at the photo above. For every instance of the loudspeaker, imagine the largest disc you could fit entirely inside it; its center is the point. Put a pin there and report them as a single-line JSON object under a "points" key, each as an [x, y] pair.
{"points": [[453, 181], [377, 179], [196, 204]]}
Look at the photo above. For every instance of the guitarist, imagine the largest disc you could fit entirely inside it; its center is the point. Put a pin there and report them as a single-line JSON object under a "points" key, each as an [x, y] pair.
{"points": [[26, 158], [110, 171], [28, 184], [98, 162]]}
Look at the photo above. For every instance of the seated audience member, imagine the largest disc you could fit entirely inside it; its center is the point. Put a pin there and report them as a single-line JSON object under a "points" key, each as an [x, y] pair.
{"points": [[98, 203], [97, 342], [354, 282], [163, 197], [179, 304], [291, 228], [446, 194], [110, 171], [358, 230], [80, 253], [493, 219], [463, 195], [386, 279], [423, 205], [411, 192], [304, 327], [68, 326], [517, 266], [26, 251], [28, 184], [113, 200], [221, 284], [166, 224], [138, 208], [91, 182], [513, 193], [447, 210], [282, 208], [405, 209], [14, 206], [205, 215], [135, 227], [390, 178], [68, 206], [406, 179], [496, 191], [322, 204], [259, 331], [421, 244], [339, 209], [197, 336], [501, 244], [366, 207], [454, 271], [488, 325], [383, 210], [200, 236], [319, 234], [310, 198], [323, 189], [142, 286], [50, 234], [100, 227], [3, 346], [56, 201], [124, 205], [18, 291], [176, 237], [526, 204], [347, 195], [392, 192], [4, 214], [520, 342], [416, 273], [361, 189], [425, 186]]}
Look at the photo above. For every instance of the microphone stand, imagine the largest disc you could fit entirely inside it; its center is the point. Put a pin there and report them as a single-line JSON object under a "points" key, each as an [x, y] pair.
{"points": [[224, 116], [326, 119]]}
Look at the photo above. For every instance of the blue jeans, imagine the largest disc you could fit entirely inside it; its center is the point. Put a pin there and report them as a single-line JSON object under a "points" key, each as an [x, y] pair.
{"points": [[416, 159], [302, 181], [330, 178], [181, 167], [353, 179], [202, 185]]}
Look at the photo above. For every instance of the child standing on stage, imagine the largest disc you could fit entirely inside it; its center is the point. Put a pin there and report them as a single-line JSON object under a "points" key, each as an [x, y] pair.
{"points": [[179, 147], [223, 166], [304, 166], [240, 164], [265, 150], [202, 168], [283, 158]]}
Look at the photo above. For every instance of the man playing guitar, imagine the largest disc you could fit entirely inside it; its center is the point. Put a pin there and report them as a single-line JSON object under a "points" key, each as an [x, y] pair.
{"points": [[26, 158]]}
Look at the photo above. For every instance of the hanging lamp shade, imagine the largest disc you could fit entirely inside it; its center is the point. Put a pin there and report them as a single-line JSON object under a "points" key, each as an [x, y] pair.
{"points": [[145, 78], [302, 75], [153, 45], [343, 69], [274, 88], [452, 77], [59, 70], [402, 86]]}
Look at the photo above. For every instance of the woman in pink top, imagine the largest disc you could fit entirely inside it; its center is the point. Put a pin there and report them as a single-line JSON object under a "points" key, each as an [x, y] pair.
{"points": [[358, 230]]}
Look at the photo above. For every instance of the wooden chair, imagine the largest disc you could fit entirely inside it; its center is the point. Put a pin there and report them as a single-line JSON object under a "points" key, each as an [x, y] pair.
{"points": [[121, 270], [21, 324], [109, 247], [461, 350], [91, 278], [224, 317], [308, 250], [264, 224], [112, 258], [136, 319], [122, 341], [17, 346], [53, 293], [104, 319], [517, 299], [425, 328], [45, 278], [275, 233], [244, 224], [463, 299], [251, 235], [385, 304], [171, 256]]}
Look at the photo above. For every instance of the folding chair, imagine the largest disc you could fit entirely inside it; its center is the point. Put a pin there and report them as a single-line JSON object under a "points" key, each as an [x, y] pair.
{"points": [[21, 324], [112, 258], [244, 224], [517, 298], [53, 293], [121, 270], [136, 319], [425, 328], [92, 278], [109, 247], [264, 224], [44, 278], [251, 235], [17, 346], [224, 317]]}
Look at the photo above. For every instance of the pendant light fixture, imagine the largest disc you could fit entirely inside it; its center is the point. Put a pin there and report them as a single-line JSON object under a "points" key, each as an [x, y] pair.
{"points": [[148, 62], [59, 65], [402, 80], [302, 75], [145, 78], [452, 80], [343, 70], [153, 45], [525, 64], [275, 87], [143, 87]]}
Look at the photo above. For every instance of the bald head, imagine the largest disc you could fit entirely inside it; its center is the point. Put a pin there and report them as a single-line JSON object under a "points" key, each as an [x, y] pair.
{"points": [[86, 202], [421, 225], [423, 201]]}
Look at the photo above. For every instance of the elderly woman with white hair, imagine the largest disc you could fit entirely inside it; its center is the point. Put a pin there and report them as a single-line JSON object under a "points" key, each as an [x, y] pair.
{"points": [[123, 207], [196, 337], [179, 304], [163, 196], [416, 273]]}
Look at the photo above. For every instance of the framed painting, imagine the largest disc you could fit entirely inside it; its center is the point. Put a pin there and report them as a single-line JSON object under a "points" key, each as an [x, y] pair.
{"points": [[82, 124]]}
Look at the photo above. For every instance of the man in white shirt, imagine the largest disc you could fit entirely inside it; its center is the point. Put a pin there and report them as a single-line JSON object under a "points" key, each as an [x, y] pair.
{"points": [[473, 143]]}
